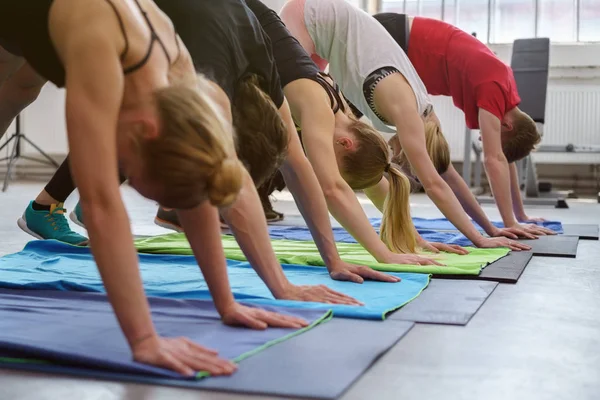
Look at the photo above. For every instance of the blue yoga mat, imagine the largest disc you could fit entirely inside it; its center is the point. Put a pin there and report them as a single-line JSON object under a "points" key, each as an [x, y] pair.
{"points": [[53, 265], [80, 329], [443, 224], [342, 236], [428, 229]]}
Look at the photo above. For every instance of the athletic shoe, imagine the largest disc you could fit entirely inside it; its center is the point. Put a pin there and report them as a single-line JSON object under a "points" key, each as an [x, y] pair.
{"points": [[168, 219], [50, 224], [77, 215], [270, 214]]}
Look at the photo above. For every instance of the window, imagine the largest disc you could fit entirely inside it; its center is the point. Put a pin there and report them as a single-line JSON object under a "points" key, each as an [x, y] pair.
{"points": [[557, 19], [589, 24], [431, 9], [451, 11], [396, 6], [512, 19], [473, 17]]}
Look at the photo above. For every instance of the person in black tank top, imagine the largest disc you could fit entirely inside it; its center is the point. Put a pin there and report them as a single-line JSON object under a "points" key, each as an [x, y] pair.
{"points": [[174, 142], [346, 154], [237, 57]]}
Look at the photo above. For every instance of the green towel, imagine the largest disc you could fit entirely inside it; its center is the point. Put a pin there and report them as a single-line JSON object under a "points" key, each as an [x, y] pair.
{"points": [[306, 253]]}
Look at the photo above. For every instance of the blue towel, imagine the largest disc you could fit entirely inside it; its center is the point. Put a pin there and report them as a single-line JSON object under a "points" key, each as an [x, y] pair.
{"points": [[80, 329], [442, 224], [53, 265], [342, 236], [428, 229]]}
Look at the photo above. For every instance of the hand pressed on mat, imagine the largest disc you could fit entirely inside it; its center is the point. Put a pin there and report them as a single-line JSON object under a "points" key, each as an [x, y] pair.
{"points": [[435, 247], [318, 294], [180, 355], [490, 243], [256, 318], [343, 271], [408, 259]]}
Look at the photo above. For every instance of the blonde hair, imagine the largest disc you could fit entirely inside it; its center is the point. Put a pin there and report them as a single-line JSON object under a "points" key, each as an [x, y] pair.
{"points": [[524, 138], [364, 168], [437, 148], [193, 157], [262, 138]]}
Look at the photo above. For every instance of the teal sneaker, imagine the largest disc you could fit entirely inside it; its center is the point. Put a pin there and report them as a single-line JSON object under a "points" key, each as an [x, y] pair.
{"points": [[50, 224], [77, 215]]}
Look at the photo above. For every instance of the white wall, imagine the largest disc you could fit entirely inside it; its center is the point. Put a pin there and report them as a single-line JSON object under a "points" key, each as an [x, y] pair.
{"points": [[574, 96]]}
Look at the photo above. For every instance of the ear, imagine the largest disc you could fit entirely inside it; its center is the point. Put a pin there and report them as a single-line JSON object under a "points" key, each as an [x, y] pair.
{"points": [[346, 143], [148, 128], [507, 124]]}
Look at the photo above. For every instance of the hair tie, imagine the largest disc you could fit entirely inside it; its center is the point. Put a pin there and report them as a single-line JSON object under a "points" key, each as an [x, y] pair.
{"points": [[387, 167]]}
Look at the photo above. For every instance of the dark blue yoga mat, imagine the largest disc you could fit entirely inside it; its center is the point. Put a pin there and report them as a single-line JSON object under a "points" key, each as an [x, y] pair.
{"points": [[342, 236], [442, 224], [321, 363], [80, 329], [53, 265]]}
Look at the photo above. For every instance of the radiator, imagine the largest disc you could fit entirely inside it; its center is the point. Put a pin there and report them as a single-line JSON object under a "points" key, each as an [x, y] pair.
{"points": [[572, 116]]}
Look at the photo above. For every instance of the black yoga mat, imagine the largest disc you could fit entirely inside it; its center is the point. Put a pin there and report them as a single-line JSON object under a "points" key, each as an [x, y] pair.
{"points": [[506, 270], [447, 301], [554, 246], [582, 231]]}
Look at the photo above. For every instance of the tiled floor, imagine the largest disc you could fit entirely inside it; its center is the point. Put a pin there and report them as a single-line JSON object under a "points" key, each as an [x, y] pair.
{"points": [[538, 339]]}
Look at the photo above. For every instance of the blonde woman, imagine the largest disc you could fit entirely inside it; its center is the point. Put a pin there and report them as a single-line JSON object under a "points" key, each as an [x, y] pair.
{"points": [[133, 101], [377, 77]]}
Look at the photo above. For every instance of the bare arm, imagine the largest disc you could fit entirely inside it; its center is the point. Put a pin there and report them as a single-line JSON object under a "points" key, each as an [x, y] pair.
{"points": [[496, 165], [395, 99], [92, 107], [468, 200]]}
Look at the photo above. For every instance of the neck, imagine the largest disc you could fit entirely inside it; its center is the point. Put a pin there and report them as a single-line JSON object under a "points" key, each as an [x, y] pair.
{"points": [[141, 84]]}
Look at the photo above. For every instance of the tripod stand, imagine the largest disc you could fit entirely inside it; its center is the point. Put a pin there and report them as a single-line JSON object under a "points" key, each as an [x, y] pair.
{"points": [[15, 153]]}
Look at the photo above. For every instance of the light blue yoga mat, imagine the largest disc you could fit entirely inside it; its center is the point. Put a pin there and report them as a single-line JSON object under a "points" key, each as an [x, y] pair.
{"points": [[53, 265]]}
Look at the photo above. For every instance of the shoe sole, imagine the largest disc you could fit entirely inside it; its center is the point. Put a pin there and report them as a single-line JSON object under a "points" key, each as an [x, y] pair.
{"points": [[75, 220], [167, 225], [273, 220], [23, 225]]}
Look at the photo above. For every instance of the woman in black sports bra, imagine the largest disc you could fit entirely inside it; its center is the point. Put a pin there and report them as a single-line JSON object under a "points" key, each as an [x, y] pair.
{"points": [[345, 153], [133, 100]]}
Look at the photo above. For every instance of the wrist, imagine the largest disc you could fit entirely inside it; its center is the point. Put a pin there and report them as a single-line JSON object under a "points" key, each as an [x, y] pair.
{"points": [[282, 290], [479, 240], [224, 304]]}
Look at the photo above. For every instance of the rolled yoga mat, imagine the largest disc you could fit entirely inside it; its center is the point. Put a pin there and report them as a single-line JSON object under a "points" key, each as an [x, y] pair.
{"points": [[321, 363], [51, 265], [306, 253], [81, 330]]}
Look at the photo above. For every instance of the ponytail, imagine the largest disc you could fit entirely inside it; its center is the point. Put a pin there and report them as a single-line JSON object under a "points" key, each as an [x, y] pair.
{"points": [[397, 229]]}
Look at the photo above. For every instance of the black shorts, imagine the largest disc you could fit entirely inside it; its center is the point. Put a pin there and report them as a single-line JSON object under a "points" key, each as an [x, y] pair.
{"points": [[292, 61], [397, 26]]}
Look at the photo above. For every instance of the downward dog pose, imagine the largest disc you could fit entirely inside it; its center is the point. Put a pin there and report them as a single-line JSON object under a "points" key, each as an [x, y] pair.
{"points": [[453, 63], [262, 142], [330, 132], [377, 77], [133, 100]]}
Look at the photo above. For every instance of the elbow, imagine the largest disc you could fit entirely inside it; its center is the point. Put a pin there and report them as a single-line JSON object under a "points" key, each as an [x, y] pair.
{"points": [[435, 187], [98, 210]]}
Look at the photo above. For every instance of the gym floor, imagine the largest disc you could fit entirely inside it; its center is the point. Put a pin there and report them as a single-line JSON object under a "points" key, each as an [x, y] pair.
{"points": [[538, 339]]}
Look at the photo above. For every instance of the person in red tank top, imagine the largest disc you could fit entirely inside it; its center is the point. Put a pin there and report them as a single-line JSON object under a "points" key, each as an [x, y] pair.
{"points": [[450, 62]]}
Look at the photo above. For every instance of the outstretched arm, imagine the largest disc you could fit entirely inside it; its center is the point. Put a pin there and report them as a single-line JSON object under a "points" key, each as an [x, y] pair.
{"points": [[499, 175], [518, 207], [396, 101], [474, 210], [318, 124], [246, 219]]}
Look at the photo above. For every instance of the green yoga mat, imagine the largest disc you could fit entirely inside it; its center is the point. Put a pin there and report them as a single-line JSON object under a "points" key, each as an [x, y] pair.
{"points": [[306, 253]]}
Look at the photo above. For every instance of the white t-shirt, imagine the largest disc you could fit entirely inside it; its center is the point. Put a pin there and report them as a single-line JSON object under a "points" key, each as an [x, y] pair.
{"points": [[356, 45]]}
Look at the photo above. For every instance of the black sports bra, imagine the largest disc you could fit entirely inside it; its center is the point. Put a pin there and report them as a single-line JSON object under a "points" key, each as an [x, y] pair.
{"points": [[333, 91], [153, 38]]}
